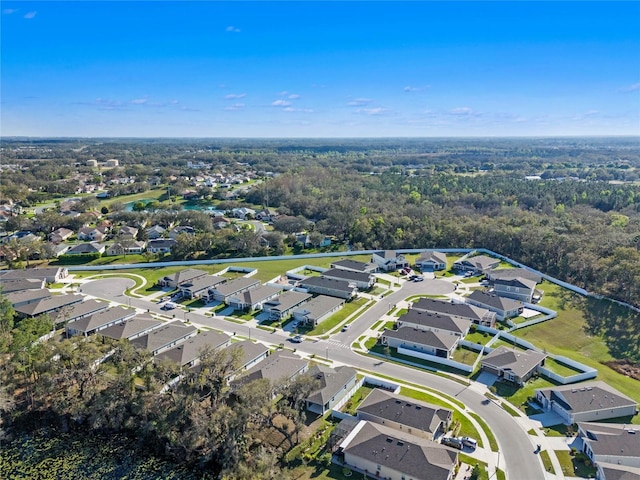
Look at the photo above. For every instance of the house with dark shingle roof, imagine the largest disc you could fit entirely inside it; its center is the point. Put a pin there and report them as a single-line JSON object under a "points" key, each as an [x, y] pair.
{"points": [[251, 354], [224, 291], [504, 308], [336, 385], [98, 321], [283, 305], [355, 266], [424, 341], [23, 297], [160, 245], [435, 322], [318, 309], [510, 273], [611, 446], [179, 278], [254, 298], [586, 402], [199, 286], [383, 452], [477, 315], [406, 414], [50, 274], [165, 337], [278, 368], [76, 311], [20, 284], [47, 305], [363, 281], [330, 287], [609, 471], [187, 353], [86, 248], [432, 261], [478, 264], [131, 328], [389, 260], [516, 288], [513, 365]]}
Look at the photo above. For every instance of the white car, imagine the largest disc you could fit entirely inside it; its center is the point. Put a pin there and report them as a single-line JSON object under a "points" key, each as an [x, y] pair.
{"points": [[469, 442]]}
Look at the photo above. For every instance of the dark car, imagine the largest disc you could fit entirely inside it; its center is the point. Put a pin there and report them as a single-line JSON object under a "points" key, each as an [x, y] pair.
{"points": [[452, 442]]}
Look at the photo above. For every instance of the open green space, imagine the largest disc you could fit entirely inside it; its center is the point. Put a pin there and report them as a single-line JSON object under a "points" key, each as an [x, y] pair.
{"points": [[560, 368], [465, 355], [575, 466], [468, 460], [546, 461], [479, 337], [156, 194], [337, 318]]}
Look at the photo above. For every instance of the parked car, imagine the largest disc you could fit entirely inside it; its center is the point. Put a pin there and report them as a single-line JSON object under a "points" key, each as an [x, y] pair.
{"points": [[469, 442], [345, 328], [297, 339], [168, 306], [418, 279], [452, 442]]}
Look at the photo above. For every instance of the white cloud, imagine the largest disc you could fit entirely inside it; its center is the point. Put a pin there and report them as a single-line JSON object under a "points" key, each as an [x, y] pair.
{"points": [[630, 88], [9, 11], [233, 29], [139, 101], [302, 110], [280, 103], [410, 88], [232, 96], [373, 111], [293, 96], [235, 107], [462, 111], [30, 15], [359, 102]]}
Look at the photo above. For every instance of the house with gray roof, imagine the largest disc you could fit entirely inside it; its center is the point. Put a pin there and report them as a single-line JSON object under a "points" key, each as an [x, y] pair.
{"points": [[610, 471], [60, 235], [318, 309], [511, 273], [478, 264], [516, 366], [20, 284], [330, 287], [586, 402], [160, 245], [283, 305], [477, 315], [405, 414], [383, 452], [177, 279], [155, 232], [611, 446], [363, 281], [254, 298], [165, 337], [515, 288], [224, 291], [424, 341], [251, 354], [279, 368], [389, 260], [131, 328], [47, 305], [187, 353], [49, 275], [336, 385], [23, 297], [354, 265], [199, 286], [86, 248], [435, 322], [432, 261], [504, 308], [76, 311], [98, 321]]}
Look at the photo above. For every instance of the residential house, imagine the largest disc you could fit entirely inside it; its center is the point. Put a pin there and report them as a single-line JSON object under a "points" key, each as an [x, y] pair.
{"points": [[124, 248], [243, 213], [383, 452], [389, 260], [94, 323], [612, 447], [516, 366], [224, 291], [362, 281], [220, 222], [161, 245], [50, 274], [165, 337], [477, 315], [586, 402], [515, 288], [155, 232], [283, 305], [59, 235], [23, 297], [92, 234], [353, 265], [511, 273], [435, 322], [480, 264], [328, 286], [405, 414], [432, 261], [254, 298], [424, 341], [47, 305], [251, 353], [199, 286], [266, 215], [335, 387], [279, 368], [131, 328], [127, 231], [20, 284], [180, 229], [86, 248], [318, 309], [187, 353], [504, 308], [76, 311], [180, 278]]}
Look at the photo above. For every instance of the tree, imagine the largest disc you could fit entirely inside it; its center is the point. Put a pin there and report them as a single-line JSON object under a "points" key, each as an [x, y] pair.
{"points": [[7, 314]]}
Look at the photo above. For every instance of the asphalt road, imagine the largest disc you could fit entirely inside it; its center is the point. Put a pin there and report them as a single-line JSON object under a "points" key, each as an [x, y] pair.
{"points": [[516, 446]]}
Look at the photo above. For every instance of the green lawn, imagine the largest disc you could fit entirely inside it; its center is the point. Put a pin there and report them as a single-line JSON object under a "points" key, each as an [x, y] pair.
{"points": [[464, 355], [575, 466], [338, 317], [493, 443], [518, 396], [546, 461], [479, 337], [560, 368]]}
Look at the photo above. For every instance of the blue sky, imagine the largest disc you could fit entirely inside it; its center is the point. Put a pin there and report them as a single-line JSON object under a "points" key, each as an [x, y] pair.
{"points": [[319, 69]]}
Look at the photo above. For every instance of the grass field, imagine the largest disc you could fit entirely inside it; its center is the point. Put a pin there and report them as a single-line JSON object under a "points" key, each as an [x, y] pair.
{"points": [[574, 466], [464, 355], [338, 317]]}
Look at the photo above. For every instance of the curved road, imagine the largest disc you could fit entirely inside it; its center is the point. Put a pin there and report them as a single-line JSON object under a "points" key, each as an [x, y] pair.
{"points": [[516, 446]]}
